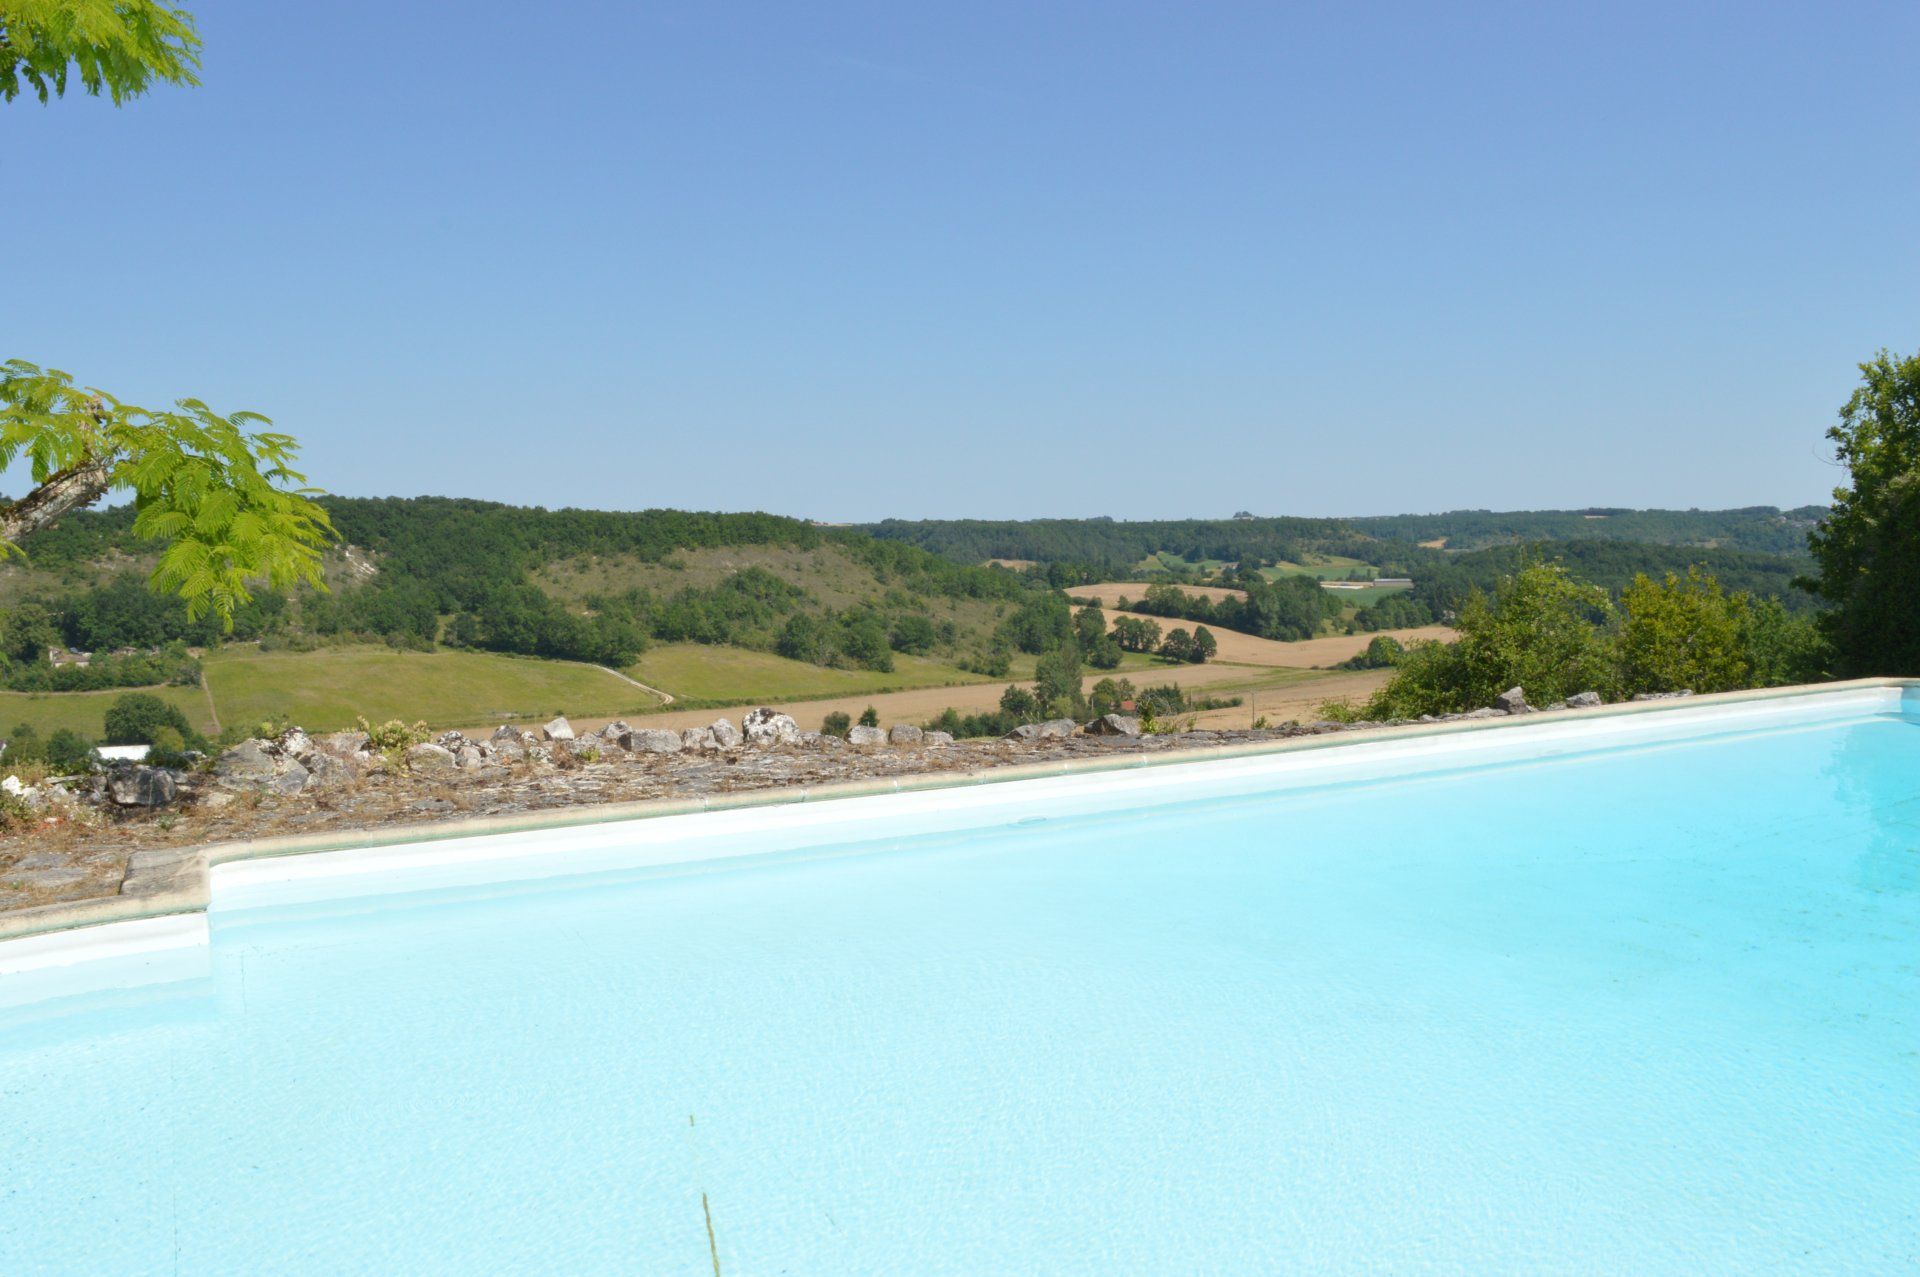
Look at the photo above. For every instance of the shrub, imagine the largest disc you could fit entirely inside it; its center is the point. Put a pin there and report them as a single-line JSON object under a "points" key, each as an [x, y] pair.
{"points": [[67, 751], [869, 717], [14, 812], [169, 748], [836, 724], [394, 738]]}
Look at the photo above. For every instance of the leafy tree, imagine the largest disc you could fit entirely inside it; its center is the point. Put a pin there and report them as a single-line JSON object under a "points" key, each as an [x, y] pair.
{"points": [[120, 47], [1109, 694], [913, 633], [1021, 705], [1540, 632], [837, 724], [1384, 652], [1684, 633], [806, 637], [869, 717], [1056, 680], [1104, 654], [864, 640], [133, 719], [1867, 551], [1204, 646], [1784, 646], [221, 496], [1177, 645], [1090, 625], [1133, 634]]}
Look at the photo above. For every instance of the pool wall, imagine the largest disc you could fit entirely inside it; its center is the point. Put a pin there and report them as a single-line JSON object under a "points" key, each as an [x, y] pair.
{"points": [[161, 929]]}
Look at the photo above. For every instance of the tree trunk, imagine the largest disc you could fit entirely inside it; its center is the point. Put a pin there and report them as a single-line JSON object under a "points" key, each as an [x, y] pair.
{"points": [[65, 490]]}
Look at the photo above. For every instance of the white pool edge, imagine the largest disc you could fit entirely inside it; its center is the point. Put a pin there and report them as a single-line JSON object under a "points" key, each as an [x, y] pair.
{"points": [[265, 874]]}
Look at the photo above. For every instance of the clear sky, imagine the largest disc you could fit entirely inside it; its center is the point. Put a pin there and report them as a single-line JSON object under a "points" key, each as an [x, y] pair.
{"points": [[1002, 260]]}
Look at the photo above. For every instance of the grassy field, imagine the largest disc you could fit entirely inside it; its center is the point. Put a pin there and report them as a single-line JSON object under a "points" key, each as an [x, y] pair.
{"points": [[327, 689], [83, 712], [696, 673]]}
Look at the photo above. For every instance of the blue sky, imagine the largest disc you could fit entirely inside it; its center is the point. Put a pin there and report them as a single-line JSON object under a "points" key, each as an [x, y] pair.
{"points": [[998, 260]]}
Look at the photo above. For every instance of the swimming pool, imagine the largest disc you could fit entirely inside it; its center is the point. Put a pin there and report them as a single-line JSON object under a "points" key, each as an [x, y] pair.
{"points": [[1581, 999]]}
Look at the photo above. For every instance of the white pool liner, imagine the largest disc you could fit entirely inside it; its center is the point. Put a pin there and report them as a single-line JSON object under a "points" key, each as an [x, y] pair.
{"points": [[172, 947]]}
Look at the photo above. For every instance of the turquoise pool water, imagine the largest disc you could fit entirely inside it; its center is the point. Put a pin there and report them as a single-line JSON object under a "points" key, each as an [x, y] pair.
{"points": [[1645, 1011]]}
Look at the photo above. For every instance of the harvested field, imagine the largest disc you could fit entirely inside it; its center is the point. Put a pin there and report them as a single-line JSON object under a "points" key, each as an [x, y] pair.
{"points": [[1278, 676], [1108, 592]]}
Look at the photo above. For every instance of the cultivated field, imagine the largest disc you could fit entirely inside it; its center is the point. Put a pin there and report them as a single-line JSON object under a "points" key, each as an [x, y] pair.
{"points": [[326, 690], [1277, 681], [84, 712], [1111, 592], [704, 674], [1245, 649]]}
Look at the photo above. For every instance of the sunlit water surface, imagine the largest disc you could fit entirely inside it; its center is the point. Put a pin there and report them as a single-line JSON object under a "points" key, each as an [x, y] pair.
{"points": [[1648, 1011]]}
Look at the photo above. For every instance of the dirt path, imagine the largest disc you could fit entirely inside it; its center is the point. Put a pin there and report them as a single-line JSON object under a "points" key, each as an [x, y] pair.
{"points": [[666, 698]]}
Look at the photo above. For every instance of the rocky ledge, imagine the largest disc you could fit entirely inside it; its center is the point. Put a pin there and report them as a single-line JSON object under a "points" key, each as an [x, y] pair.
{"points": [[108, 833]]}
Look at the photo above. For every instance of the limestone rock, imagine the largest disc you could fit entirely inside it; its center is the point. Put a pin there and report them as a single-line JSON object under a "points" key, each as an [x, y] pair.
{"points": [[430, 758], [327, 770], [143, 787], [1114, 725], [1584, 700], [342, 744], [257, 764], [1513, 701], [938, 738], [558, 729], [468, 757], [725, 734], [698, 739], [1052, 729], [905, 734], [766, 726], [653, 740], [864, 737]]}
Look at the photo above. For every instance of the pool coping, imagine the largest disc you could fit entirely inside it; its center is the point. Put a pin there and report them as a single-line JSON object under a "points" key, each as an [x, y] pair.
{"points": [[175, 882]]}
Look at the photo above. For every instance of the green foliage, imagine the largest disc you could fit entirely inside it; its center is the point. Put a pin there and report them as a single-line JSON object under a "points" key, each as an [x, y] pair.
{"points": [[1204, 646], [1041, 623], [15, 815], [1291, 608], [1131, 634], [1784, 646], [169, 748], [220, 496], [1056, 682], [67, 751], [1682, 633], [133, 719], [1384, 652], [838, 724], [1867, 552], [869, 717], [1109, 694], [120, 47], [1177, 645], [1542, 631], [393, 738]]}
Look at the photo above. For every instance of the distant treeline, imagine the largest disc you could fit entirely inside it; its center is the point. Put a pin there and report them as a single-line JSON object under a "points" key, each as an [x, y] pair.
{"points": [[1115, 545], [1442, 586], [1762, 528]]}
